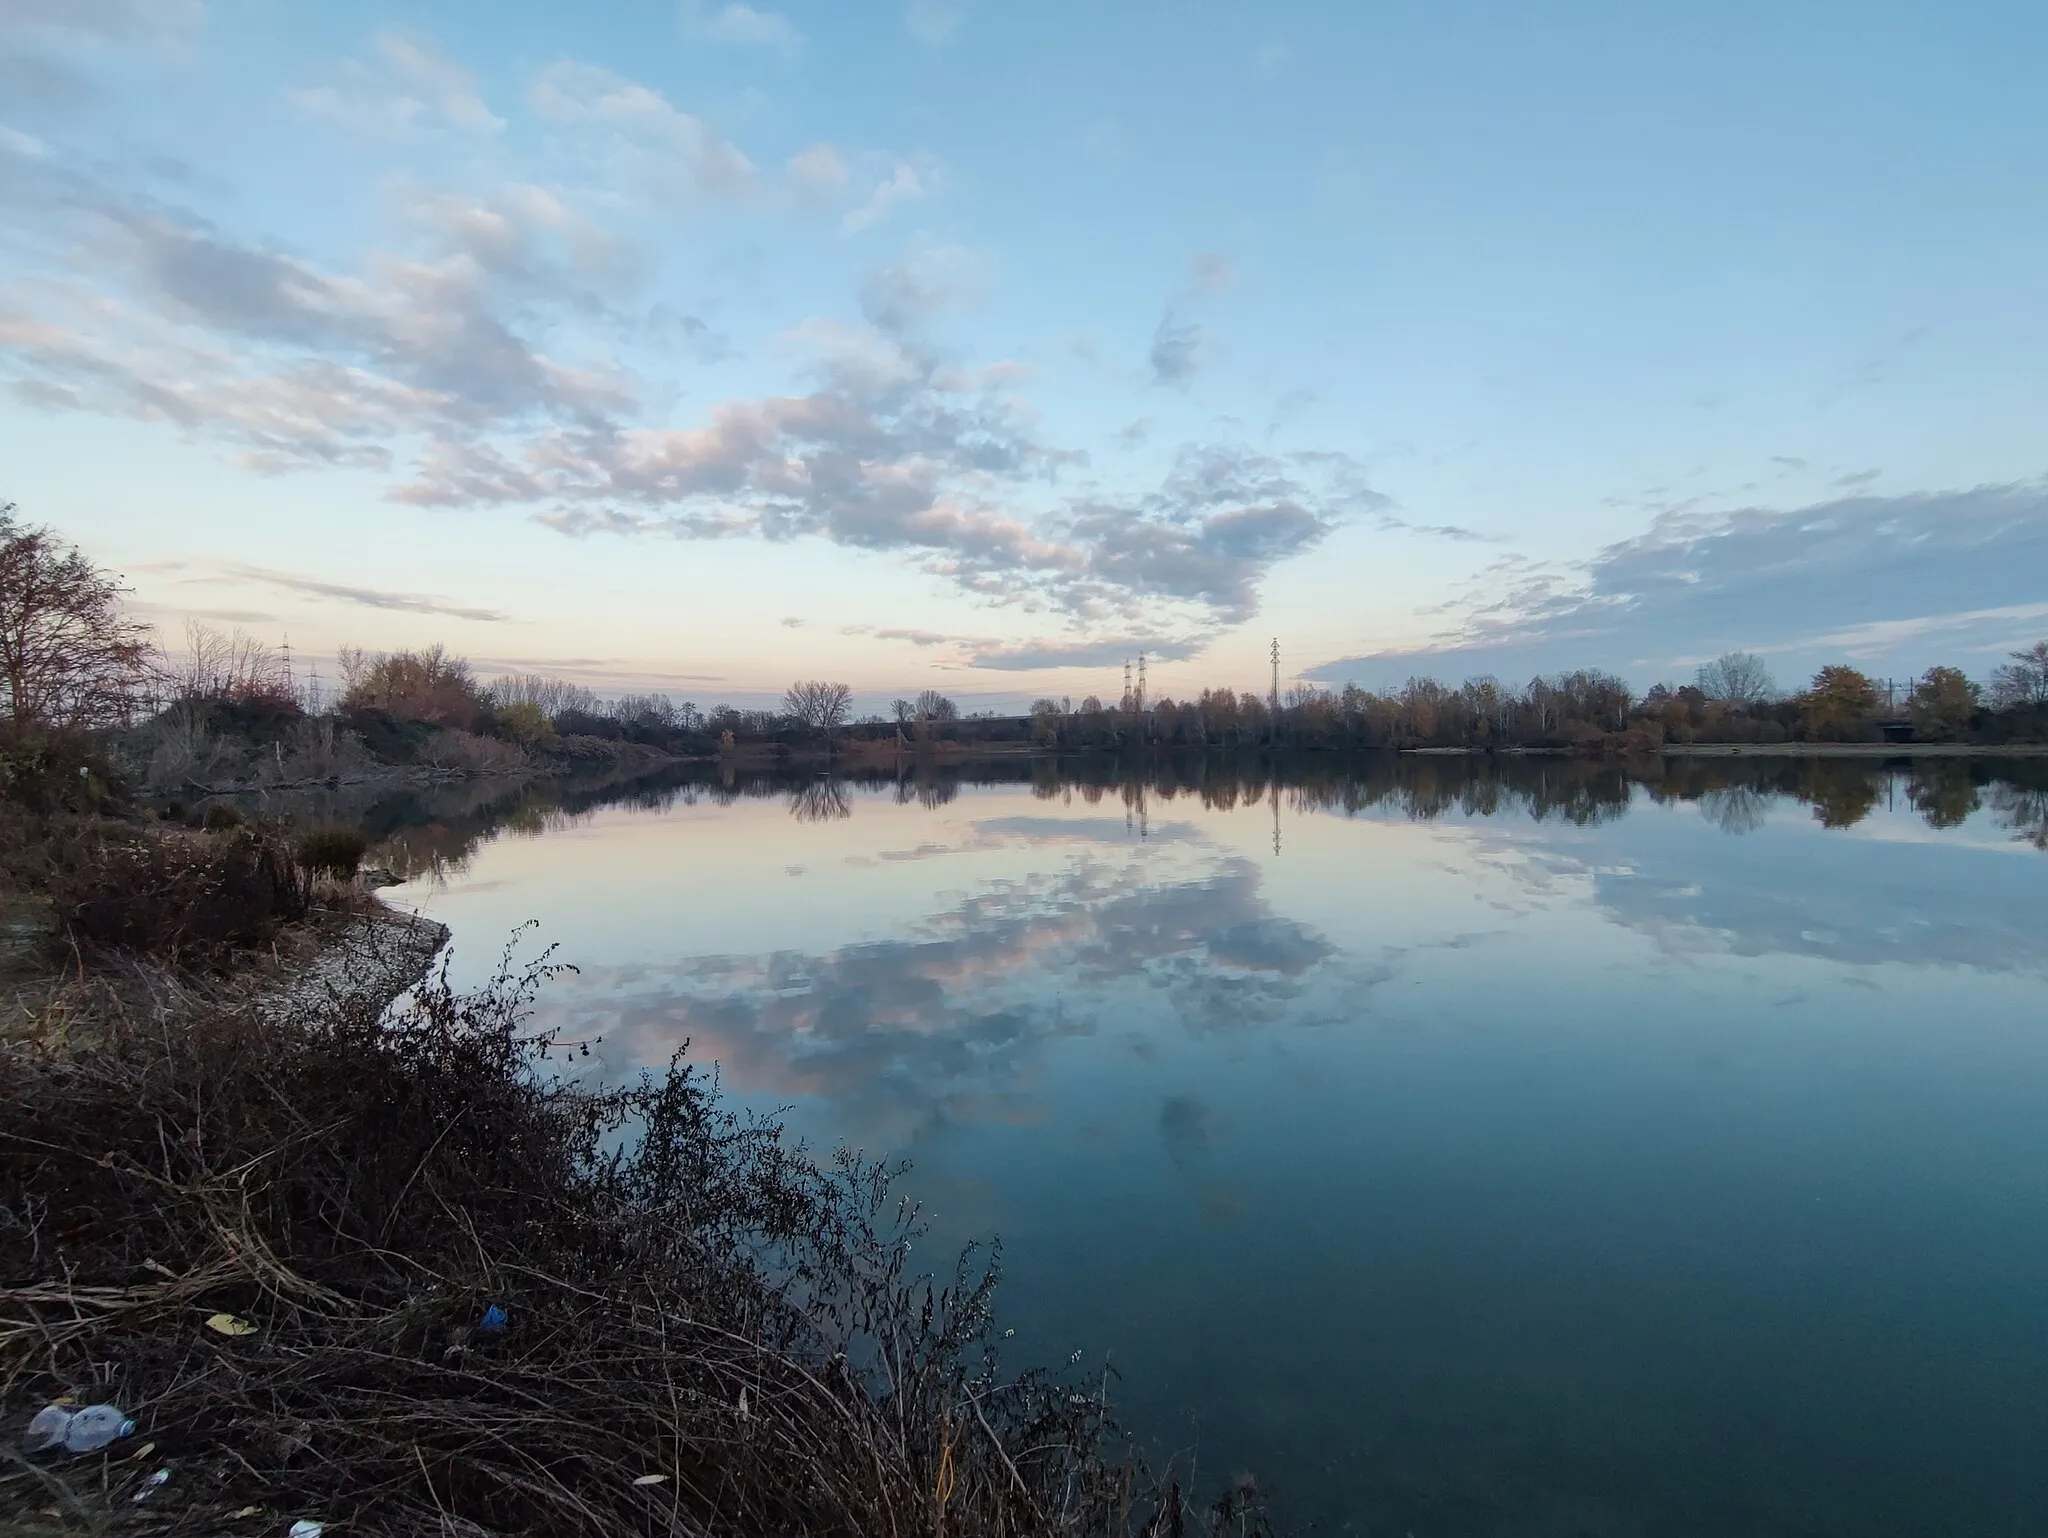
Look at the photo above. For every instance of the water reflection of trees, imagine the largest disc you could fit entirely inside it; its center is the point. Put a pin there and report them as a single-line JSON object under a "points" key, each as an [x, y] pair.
{"points": [[820, 800], [433, 832]]}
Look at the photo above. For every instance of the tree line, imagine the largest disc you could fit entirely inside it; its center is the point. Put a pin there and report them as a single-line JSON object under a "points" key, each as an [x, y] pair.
{"points": [[73, 657]]}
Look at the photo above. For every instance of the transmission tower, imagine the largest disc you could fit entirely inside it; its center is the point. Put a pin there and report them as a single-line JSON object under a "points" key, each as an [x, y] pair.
{"points": [[1273, 733]]}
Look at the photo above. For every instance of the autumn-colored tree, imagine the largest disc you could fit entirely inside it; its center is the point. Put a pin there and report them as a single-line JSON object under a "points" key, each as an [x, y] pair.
{"points": [[524, 723], [426, 685], [1943, 703], [1842, 795], [69, 656], [1839, 700]]}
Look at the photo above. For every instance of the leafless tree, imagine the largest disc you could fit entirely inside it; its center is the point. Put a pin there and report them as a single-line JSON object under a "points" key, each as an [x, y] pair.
{"points": [[550, 696], [1736, 678], [2024, 680], [820, 800], [822, 707], [221, 668], [934, 706], [69, 656]]}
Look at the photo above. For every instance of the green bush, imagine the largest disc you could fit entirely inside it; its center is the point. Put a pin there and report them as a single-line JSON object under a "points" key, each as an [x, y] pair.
{"points": [[333, 849]]}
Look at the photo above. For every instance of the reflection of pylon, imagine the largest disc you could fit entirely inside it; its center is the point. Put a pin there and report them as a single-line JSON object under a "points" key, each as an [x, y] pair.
{"points": [[1276, 817]]}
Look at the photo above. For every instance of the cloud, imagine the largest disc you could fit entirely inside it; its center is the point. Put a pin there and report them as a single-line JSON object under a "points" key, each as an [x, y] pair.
{"points": [[818, 174], [235, 572], [175, 320], [1876, 580], [408, 83], [646, 139], [470, 360], [103, 18], [14, 142], [950, 1019], [898, 450], [933, 22], [902, 185], [1179, 351], [1133, 433], [1211, 272], [900, 298], [740, 25]]}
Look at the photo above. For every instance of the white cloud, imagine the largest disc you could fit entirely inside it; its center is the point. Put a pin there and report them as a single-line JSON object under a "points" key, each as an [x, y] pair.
{"points": [[14, 142], [933, 22], [446, 85], [902, 185], [740, 25], [818, 174], [681, 155], [103, 18], [407, 85]]}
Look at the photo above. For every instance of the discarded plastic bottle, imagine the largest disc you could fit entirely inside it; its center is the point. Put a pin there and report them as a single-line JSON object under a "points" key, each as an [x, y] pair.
{"points": [[79, 1431]]}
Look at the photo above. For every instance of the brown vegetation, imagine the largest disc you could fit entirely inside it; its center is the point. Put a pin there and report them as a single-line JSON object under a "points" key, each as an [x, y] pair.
{"points": [[69, 657], [701, 1329]]}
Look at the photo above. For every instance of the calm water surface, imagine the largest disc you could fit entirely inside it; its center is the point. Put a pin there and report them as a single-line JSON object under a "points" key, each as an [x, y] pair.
{"points": [[1463, 1152]]}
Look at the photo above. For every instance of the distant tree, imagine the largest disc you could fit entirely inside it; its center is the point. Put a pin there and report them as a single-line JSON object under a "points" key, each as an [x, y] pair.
{"points": [[2023, 681], [1943, 703], [1839, 700], [820, 800], [1045, 721], [427, 685], [525, 723], [218, 668], [69, 656], [550, 696], [1842, 795], [818, 706], [1736, 678], [1945, 794], [905, 711], [934, 706]]}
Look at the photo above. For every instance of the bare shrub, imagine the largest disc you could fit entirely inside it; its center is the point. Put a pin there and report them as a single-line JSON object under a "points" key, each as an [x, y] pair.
{"points": [[189, 899], [187, 753], [332, 849], [704, 1330], [452, 748]]}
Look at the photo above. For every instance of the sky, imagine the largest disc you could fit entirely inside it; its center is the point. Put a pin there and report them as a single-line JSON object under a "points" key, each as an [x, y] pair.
{"points": [[702, 346]]}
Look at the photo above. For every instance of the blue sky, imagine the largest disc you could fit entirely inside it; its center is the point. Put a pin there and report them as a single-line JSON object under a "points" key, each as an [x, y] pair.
{"points": [[701, 346]]}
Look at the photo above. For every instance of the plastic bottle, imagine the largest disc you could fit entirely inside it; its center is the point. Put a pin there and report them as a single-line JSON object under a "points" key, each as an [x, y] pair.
{"points": [[79, 1431], [94, 1427]]}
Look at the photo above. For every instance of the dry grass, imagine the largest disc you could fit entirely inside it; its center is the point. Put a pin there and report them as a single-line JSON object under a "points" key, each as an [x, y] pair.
{"points": [[689, 1297]]}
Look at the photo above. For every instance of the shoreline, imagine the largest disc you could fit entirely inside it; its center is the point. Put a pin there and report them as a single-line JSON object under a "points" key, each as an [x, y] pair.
{"points": [[1878, 750]]}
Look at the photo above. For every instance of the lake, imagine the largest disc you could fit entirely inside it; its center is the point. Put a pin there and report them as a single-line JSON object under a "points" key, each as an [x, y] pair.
{"points": [[1531, 1149]]}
